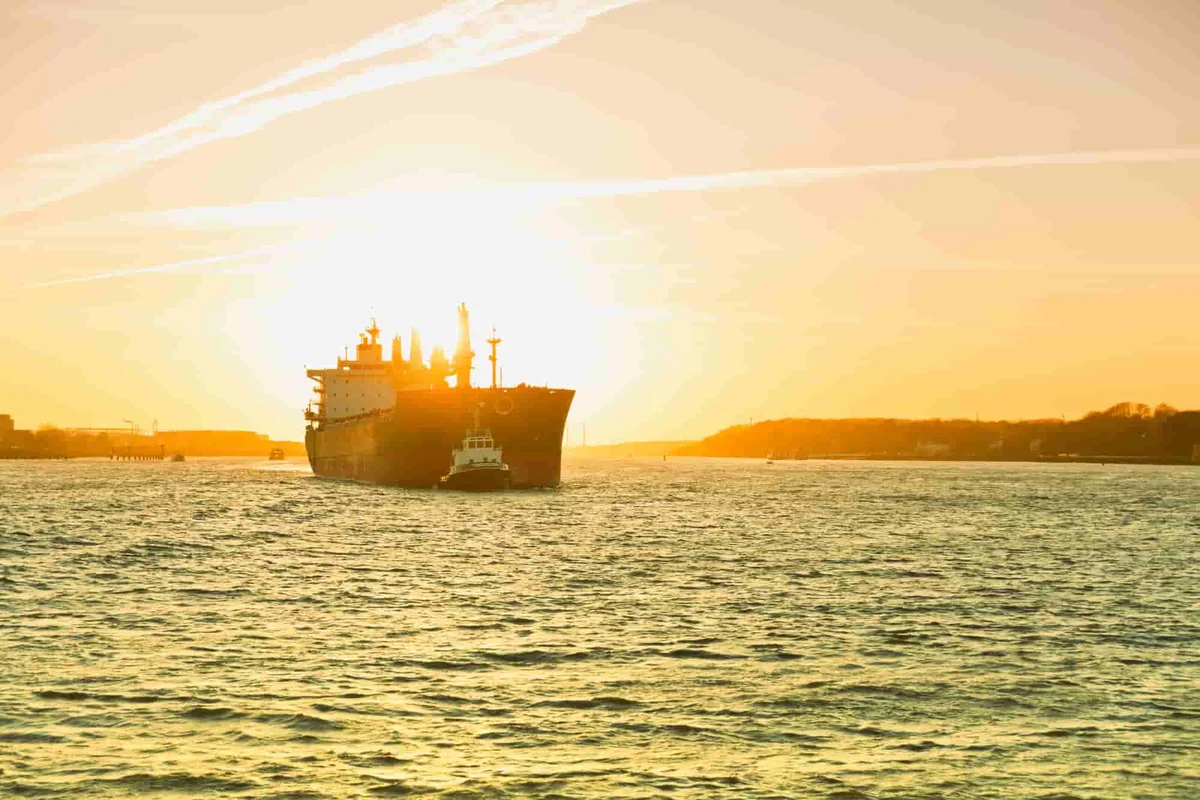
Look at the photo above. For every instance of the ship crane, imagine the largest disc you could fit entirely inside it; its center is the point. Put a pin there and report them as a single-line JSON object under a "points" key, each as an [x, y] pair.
{"points": [[495, 340]]}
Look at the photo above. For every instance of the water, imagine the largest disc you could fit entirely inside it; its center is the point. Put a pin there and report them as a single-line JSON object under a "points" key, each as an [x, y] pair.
{"points": [[687, 629]]}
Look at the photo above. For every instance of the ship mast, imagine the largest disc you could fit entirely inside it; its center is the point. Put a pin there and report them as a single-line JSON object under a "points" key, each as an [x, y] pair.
{"points": [[495, 340]]}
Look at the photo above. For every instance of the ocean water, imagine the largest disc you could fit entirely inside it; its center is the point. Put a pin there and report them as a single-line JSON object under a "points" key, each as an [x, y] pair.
{"points": [[682, 629]]}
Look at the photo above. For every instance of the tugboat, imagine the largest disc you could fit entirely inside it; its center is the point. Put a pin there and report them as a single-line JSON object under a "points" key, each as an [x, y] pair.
{"points": [[478, 465], [277, 454], [177, 457]]}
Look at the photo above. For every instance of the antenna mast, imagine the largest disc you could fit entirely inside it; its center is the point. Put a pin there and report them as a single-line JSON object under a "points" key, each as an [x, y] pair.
{"points": [[495, 340]]}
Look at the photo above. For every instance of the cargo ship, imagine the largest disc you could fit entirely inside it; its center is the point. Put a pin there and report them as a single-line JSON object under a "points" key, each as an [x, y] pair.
{"points": [[397, 422]]}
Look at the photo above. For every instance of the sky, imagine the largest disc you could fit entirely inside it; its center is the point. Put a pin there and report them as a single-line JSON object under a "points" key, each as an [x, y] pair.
{"points": [[693, 212]]}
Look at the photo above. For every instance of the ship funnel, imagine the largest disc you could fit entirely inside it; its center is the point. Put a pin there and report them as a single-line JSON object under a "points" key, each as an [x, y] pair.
{"points": [[414, 348], [462, 352], [439, 367]]}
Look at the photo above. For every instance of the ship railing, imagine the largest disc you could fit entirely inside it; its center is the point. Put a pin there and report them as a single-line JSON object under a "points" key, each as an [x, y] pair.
{"points": [[353, 364], [366, 415]]}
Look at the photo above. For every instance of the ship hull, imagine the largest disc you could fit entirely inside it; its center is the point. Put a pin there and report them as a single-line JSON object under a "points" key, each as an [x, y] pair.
{"points": [[412, 443], [487, 479]]}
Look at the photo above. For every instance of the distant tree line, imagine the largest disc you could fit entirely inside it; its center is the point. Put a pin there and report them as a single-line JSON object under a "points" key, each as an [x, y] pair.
{"points": [[1131, 431]]}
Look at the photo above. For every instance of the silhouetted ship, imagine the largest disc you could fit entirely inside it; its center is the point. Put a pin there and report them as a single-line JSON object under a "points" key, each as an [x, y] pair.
{"points": [[397, 422]]}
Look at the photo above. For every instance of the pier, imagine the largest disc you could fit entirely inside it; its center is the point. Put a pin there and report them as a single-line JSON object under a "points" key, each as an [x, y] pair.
{"points": [[134, 453]]}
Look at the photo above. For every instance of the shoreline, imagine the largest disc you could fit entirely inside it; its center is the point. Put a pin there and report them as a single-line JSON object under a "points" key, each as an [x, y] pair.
{"points": [[1065, 459]]}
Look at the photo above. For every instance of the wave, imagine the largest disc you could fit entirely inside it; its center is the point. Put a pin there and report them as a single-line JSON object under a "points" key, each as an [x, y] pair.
{"points": [[211, 713], [375, 758], [535, 657], [178, 782], [604, 703], [200, 591], [300, 722], [403, 789], [56, 694], [701, 653], [30, 737], [444, 666]]}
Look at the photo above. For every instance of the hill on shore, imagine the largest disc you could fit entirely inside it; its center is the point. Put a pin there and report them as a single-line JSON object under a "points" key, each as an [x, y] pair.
{"points": [[1126, 430]]}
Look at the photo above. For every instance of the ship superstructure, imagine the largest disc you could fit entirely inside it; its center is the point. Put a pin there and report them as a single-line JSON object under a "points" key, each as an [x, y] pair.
{"points": [[396, 421]]}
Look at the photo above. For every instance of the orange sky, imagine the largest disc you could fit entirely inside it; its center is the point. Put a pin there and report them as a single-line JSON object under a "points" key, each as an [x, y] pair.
{"points": [[692, 212]]}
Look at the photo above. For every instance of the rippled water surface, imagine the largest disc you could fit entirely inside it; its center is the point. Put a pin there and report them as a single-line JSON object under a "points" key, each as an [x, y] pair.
{"points": [[686, 629]]}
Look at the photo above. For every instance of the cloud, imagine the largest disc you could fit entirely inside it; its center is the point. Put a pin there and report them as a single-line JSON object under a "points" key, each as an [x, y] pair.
{"points": [[440, 212], [459, 37]]}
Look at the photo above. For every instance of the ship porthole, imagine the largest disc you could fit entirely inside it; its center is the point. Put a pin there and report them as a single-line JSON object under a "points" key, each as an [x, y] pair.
{"points": [[504, 405]]}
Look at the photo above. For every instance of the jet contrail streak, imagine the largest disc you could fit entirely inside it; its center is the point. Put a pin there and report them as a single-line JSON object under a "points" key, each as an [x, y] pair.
{"points": [[364, 208], [177, 265], [800, 175], [423, 204], [460, 37]]}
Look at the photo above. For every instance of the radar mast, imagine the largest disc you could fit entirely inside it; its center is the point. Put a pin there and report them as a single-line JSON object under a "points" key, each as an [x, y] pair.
{"points": [[495, 340]]}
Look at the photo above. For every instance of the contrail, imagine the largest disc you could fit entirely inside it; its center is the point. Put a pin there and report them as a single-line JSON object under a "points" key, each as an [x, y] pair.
{"points": [[459, 37], [801, 175], [177, 265], [362, 208], [420, 204]]}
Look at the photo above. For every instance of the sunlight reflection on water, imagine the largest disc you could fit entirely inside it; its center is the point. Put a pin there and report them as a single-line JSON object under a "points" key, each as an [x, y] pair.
{"points": [[698, 628]]}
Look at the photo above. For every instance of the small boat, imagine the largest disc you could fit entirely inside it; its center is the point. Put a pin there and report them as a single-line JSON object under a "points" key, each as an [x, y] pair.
{"points": [[277, 454], [177, 457], [477, 466], [771, 457]]}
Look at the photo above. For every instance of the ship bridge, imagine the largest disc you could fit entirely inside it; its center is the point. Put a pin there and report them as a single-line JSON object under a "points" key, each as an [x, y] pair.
{"points": [[358, 385]]}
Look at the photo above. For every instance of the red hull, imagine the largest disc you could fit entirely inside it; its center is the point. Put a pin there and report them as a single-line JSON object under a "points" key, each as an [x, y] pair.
{"points": [[412, 443]]}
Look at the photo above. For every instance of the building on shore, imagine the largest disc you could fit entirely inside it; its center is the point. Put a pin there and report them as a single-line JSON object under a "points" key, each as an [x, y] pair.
{"points": [[49, 442], [15, 443]]}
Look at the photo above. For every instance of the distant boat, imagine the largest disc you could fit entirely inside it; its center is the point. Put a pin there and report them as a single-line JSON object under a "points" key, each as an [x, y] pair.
{"points": [[277, 454], [177, 457], [478, 465], [771, 457]]}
